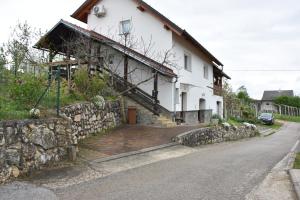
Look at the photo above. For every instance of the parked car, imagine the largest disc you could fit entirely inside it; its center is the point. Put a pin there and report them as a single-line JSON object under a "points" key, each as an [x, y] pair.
{"points": [[266, 118]]}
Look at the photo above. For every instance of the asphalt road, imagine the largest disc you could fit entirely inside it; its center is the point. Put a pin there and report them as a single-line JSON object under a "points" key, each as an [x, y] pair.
{"points": [[223, 171]]}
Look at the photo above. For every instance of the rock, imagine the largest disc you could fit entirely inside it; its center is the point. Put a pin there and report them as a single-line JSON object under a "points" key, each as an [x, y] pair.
{"points": [[51, 126], [44, 137], [77, 118], [2, 158], [2, 140], [10, 136], [29, 151], [35, 113], [226, 126], [15, 171], [13, 157]]}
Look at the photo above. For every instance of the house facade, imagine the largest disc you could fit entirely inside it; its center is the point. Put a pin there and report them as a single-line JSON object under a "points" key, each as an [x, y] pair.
{"points": [[192, 88], [199, 73], [267, 102]]}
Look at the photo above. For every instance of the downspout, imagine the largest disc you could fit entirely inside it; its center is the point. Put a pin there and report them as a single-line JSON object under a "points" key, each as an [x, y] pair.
{"points": [[174, 98]]}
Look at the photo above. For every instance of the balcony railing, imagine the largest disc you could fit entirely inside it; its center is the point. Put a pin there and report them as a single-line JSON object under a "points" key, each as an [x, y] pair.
{"points": [[217, 90]]}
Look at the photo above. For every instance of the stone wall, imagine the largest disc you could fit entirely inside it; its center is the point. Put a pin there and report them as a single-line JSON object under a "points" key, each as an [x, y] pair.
{"points": [[216, 134], [86, 118], [27, 145]]}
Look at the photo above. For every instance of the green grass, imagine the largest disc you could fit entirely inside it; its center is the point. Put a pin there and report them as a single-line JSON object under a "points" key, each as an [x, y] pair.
{"points": [[288, 118], [233, 122], [276, 125], [297, 161], [11, 109]]}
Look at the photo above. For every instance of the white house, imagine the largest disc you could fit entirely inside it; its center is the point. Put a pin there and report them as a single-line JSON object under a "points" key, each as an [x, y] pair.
{"points": [[189, 83], [267, 101]]}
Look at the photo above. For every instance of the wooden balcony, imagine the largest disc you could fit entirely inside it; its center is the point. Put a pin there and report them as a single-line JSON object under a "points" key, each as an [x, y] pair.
{"points": [[218, 90]]}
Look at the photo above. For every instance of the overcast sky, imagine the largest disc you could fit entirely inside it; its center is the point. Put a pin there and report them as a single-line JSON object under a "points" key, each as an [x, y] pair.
{"points": [[250, 37]]}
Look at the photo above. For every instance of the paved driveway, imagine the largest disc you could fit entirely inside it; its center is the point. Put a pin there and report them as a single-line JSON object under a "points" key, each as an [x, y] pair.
{"points": [[128, 138], [225, 171]]}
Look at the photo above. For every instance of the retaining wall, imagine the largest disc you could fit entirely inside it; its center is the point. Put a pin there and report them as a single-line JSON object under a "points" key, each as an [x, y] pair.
{"points": [[27, 145]]}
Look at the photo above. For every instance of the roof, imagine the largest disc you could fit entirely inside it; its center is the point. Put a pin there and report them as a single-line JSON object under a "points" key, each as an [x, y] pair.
{"points": [[272, 95], [82, 12], [64, 29]]}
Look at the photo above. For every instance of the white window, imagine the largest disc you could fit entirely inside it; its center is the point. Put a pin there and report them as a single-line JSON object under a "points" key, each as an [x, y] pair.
{"points": [[125, 27], [187, 62], [205, 71]]}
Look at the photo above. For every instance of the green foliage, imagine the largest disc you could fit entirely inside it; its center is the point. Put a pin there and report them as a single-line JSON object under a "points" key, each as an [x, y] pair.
{"points": [[289, 101], [218, 117], [243, 95], [91, 86], [26, 90]]}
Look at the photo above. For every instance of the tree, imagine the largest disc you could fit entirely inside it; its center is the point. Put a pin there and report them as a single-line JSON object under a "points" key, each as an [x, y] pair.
{"points": [[20, 54], [289, 101], [2, 59], [243, 95]]}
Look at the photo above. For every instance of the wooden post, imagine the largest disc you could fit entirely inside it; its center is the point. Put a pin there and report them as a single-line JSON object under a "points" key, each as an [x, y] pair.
{"points": [[155, 91], [279, 109], [51, 56], [126, 68], [69, 72]]}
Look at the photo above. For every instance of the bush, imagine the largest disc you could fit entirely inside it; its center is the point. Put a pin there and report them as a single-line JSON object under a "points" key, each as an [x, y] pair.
{"points": [[91, 86], [26, 90], [289, 101], [218, 117]]}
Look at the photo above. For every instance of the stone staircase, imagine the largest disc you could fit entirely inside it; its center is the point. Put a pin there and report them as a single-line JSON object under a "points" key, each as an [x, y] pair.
{"points": [[146, 117], [164, 122]]}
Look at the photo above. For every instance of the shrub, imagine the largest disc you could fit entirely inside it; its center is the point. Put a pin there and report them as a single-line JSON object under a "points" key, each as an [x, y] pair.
{"points": [[26, 89], [91, 86], [218, 117]]}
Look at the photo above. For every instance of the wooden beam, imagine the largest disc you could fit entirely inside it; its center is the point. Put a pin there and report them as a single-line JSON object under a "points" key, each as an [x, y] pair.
{"points": [[141, 8], [64, 63], [167, 27]]}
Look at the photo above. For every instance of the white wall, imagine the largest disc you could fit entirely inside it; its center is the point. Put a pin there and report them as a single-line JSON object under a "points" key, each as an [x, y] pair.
{"points": [[147, 26], [141, 72], [199, 86], [268, 106], [144, 25]]}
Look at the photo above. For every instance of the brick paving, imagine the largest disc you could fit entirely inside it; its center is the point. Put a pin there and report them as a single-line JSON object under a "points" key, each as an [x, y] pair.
{"points": [[128, 138]]}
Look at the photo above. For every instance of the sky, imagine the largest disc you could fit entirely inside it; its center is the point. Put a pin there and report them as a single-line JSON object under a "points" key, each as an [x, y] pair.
{"points": [[257, 41]]}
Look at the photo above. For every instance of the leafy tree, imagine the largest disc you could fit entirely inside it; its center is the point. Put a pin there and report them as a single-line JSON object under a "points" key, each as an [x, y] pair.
{"points": [[289, 101], [243, 95], [2, 59], [20, 54]]}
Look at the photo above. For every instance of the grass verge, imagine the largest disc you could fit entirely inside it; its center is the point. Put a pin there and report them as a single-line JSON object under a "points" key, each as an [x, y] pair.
{"points": [[288, 118], [297, 161]]}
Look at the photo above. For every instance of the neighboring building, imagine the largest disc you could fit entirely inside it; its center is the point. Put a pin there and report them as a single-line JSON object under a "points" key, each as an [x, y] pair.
{"points": [[267, 101], [190, 86]]}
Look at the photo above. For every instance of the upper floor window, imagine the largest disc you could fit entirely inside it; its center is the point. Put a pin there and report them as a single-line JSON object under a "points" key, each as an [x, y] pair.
{"points": [[187, 62], [205, 72], [125, 27]]}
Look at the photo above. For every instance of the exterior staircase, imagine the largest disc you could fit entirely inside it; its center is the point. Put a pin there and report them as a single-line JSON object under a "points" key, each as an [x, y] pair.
{"points": [[149, 111], [147, 117], [165, 122]]}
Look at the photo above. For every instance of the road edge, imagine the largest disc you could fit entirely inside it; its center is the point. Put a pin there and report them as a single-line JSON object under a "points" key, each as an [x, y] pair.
{"points": [[292, 172]]}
